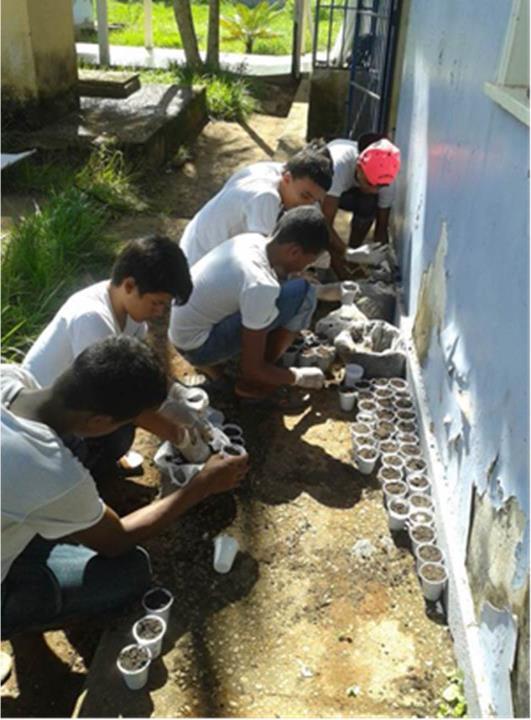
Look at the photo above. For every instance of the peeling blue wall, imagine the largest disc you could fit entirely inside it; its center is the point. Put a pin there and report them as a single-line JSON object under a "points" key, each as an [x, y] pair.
{"points": [[465, 182]]}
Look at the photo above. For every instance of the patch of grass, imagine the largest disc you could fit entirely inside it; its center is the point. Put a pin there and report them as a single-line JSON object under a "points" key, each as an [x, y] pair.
{"points": [[453, 702], [42, 261], [107, 177], [41, 177]]}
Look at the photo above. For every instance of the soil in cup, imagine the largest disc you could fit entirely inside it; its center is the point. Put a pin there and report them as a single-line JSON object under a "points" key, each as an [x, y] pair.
{"points": [[406, 426], [434, 573], [421, 502], [415, 465], [149, 628], [422, 534], [389, 446], [390, 473], [420, 517], [134, 658], [430, 553], [403, 403], [386, 415], [384, 429], [360, 428], [230, 450], [157, 599], [419, 483], [394, 488], [400, 508], [367, 453], [411, 450], [393, 461]]}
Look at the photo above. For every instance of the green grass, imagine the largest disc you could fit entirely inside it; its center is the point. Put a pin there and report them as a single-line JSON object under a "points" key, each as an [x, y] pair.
{"points": [[165, 34]]}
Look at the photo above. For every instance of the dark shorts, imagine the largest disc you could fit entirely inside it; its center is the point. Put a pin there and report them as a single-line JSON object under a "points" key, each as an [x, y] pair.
{"points": [[360, 204]]}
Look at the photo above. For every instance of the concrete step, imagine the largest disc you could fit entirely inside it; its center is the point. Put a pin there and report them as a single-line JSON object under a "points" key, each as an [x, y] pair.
{"points": [[107, 83], [148, 126]]}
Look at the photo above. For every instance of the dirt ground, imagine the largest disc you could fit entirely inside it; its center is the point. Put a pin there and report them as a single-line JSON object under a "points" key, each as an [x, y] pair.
{"points": [[301, 626]]}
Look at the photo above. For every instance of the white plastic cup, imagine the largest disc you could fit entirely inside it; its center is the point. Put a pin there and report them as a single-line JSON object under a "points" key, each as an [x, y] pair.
{"points": [[225, 550], [353, 374], [232, 430], [420, 517], [432, 589], [429, 532], [432, 548], [421, 501], [393, 460], [365, 417], [181, 473], [366, 464], [347, 398], [397, 520], [394, 495], [233, 449], [410, 450], [154, 645], [419, 483], [134, 679], [388, 474], [415, 466], [216, 417], [398, 384], [348, 292], [163, 611]]}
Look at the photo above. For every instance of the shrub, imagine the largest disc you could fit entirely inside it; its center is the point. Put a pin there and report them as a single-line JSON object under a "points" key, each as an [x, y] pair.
{"points": [[248, 25]]}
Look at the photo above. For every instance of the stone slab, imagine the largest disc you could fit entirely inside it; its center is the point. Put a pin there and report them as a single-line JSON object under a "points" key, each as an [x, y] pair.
{"points": [[107, 83]]}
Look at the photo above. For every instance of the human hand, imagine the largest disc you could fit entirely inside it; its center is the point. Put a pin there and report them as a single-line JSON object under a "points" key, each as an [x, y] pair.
{"points": [[369, 254], [311, 378], [222, 472]]}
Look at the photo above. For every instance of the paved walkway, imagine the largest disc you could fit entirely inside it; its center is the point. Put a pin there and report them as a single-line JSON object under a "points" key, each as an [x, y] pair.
{"points": [[162, 58]]}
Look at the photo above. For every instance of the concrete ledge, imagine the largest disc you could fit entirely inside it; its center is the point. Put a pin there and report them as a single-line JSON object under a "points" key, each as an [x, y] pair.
{"points": [[458, 599], [295, 131]]}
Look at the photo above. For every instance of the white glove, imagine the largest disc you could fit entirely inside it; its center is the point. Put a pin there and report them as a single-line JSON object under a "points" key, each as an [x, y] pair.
{"points": [[183, 407], [311, 378], [192, 447], [369, 254]]}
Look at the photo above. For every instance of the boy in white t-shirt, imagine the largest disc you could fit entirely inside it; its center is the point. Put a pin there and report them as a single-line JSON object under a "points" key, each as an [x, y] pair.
{"points": [[363, 184], [252, 200], [242, 304], [149, 274], [49, 498]]}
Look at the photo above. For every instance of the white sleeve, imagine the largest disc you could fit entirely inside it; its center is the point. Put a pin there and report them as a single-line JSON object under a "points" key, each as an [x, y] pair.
{"points": [[262, 212], [258, 306], [79, 508], [343, 178], [87, 329]]}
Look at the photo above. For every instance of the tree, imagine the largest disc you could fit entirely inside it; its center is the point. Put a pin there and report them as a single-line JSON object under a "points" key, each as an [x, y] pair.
{"points": [[212, 58], [250, 24], [185, 24]]}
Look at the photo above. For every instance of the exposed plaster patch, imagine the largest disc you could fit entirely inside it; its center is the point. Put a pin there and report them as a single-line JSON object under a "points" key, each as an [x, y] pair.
{"points": [[431, 299], [499, 633]]}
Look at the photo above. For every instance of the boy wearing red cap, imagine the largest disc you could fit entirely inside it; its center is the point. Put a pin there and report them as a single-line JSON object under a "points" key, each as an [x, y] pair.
{"points": [[364, 175]]}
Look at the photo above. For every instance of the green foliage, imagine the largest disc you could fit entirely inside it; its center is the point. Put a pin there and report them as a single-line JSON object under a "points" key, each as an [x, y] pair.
{"points": [[107, 178], [32, 175], [453, 702], [248, 25], [42, 261]]}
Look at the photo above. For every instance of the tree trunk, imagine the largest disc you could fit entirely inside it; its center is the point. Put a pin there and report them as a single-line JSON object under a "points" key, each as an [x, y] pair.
{"points": [[212, 58], [185, 24]]}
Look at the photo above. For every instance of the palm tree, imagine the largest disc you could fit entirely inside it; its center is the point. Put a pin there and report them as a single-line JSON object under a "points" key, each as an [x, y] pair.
{"points": [[249, 24]]}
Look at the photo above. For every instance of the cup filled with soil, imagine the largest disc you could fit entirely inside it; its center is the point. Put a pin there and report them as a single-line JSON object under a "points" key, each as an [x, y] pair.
{"points": [[367, 406], [402, 402], [386, 415], [233, 432], [363, 440], [385, 429], [407, 415], [363, 386], [383, 394], [433, 578], [325, 356], [360, 428], [158, 601], [393, 460], [148, 632], [366, 457], [421, 534], [390, 447], [347, 398], [348, 290], [133, 663], [429, 554], [409, 450], [406, 438], [366, 418], [406, 426], [364, 394], [393, 490], [233, 450], [387, 474], [381, 383], [398, 384], [397, 511], [421, 501], [415, 465], [420, 517], [419, 483]]}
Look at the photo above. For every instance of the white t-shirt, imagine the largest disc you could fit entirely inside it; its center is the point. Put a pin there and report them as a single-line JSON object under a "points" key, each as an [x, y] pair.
{"points": [[249, 202], [45, 489], [84, 319], [345, 154], [235, 276]]}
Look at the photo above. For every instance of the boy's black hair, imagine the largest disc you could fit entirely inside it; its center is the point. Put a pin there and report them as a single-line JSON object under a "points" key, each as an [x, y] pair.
{"points": [[306, 226], [119, 377], [319, 145], [367, 139], [314, 164], [156, 264]]}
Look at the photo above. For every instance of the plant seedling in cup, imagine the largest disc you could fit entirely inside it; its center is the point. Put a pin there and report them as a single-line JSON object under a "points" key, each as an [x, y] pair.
{"points": [[133, 663]]}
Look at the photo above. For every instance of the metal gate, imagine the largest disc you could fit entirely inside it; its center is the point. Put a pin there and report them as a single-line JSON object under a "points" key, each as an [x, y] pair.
{"points": [[359, 35]]}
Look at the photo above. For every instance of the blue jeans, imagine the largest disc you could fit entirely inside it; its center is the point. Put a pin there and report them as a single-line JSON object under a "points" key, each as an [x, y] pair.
{"points": [[296, 305], [51, 584]]}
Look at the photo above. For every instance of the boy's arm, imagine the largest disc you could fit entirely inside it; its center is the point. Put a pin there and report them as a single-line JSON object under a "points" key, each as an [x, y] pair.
{"points": [[382, 223], [113, 535], [163, 427], [254, 366]]}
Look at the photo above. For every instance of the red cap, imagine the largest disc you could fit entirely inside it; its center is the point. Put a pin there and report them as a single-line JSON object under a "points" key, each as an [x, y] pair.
{"points": [[380, 162]]}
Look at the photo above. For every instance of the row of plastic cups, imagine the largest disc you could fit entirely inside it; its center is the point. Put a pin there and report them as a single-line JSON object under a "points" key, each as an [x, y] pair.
{"points": [[134, 659]]}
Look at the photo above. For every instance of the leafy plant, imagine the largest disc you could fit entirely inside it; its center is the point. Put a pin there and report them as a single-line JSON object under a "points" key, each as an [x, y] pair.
{"points": [[107, 177], [251, 24], [453, 703]]}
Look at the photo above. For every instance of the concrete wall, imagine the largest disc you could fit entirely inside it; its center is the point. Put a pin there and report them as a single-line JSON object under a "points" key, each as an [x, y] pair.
{"points": [[39, 70], [462, 225]]}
